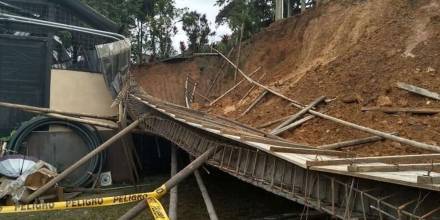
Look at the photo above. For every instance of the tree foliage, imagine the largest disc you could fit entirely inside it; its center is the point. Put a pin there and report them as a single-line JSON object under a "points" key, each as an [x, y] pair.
{"points": [[253, 15], [149, 23], [197, 29]]}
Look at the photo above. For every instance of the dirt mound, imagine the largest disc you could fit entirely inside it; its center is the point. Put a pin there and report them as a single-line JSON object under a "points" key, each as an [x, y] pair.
{"points": [[353, 52]]}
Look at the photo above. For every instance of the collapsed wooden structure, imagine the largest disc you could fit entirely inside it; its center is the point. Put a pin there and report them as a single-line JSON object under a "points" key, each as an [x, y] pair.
{"points": [[315, 178]]}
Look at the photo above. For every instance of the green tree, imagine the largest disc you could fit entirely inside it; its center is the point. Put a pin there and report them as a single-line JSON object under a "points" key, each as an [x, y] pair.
{"points": [[149, 23], [251, 15], [161, 28], [197, 29]]}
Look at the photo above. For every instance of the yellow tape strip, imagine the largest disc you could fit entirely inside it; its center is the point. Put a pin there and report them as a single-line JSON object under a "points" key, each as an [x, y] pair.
{"points": [[157, 209], [159, 192], [76, 204]]}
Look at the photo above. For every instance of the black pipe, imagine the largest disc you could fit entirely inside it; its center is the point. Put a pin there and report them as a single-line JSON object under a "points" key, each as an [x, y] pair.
{"points": [[90, 15]]}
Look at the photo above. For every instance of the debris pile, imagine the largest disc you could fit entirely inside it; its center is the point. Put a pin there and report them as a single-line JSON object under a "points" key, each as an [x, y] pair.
{"points": [[356, 54], [23, 175]]}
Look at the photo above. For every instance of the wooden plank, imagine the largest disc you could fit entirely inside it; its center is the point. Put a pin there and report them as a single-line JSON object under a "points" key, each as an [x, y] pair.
{"points": [[294, 124], [428, 180], [351, 143], [257, 100], [263, 140], [418, 90], [298, 115], [310, 151], [404, 110], [408, 159], [435, 167]]}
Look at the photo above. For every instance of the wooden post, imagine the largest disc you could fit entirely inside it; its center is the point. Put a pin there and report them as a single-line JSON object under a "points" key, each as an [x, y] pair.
{"points": [[172, 212], [84, 121], [82, 161], [209, 206], [181, 175], [408, 159]]}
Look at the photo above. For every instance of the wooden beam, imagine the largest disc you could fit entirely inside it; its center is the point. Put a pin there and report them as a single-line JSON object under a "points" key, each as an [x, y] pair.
{"points": [[294, 124], [351, 143], [298, 115], [435, 167], [232, 89], [404, 110], [251, 89], [172, 182], [40, 110], [267, 124], [418, 90], [257, 100], [310, 151], [405, 159], [428, 180], [273, 142], [250, 80]]}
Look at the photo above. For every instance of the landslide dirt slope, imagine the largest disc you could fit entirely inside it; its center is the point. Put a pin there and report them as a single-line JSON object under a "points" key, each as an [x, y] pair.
{"points": [[353, 52]]}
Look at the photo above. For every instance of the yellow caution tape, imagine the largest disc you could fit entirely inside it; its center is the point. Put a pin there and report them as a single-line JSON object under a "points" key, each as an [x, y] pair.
{"points": [[157, 209], [159, 192], [76, 204], [152, 200]]}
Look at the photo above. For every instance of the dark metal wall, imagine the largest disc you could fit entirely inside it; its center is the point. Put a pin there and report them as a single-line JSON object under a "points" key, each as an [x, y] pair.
{"points": [[24, 77]]}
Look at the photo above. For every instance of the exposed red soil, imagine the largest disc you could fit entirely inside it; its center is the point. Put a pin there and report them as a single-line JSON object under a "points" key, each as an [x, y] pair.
{"points": [[352, 52]]}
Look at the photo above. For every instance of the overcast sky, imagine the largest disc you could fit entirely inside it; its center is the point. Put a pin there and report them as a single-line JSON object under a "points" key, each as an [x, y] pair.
{"points": [[204, 7]]}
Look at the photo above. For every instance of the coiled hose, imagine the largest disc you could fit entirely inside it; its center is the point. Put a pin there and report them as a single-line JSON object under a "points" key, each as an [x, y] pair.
{"points": [[88, 134]]}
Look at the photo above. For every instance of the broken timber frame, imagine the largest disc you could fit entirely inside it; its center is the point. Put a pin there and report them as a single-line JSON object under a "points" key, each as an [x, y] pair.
{"points": [[337, 120]]}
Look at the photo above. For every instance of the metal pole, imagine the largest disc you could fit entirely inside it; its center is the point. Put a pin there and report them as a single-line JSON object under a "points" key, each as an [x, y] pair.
{"points": [[172, 212], [209, 206], [82, 161], [181, 175]]}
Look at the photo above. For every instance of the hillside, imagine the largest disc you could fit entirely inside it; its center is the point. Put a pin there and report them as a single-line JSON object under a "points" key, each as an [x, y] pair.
{"points": [[354, 53]]}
